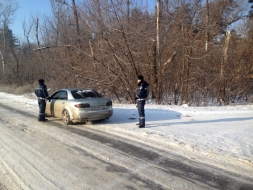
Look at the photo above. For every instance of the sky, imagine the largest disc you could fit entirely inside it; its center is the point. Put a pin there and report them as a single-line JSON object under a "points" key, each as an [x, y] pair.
{"points": [[218, 135], [25, 10], [33, 7], [38, 7]]}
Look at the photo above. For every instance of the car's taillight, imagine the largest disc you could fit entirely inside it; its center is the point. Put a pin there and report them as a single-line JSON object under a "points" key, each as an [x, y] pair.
{"points": [[82, 105], [109, 103]]}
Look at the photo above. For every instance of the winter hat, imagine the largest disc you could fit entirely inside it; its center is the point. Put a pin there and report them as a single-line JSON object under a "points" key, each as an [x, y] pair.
{"points": [[41, 81], [140, 77]]}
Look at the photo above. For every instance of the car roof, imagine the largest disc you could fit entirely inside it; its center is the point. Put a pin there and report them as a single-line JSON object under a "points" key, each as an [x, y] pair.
{"points": [[71, 89]]}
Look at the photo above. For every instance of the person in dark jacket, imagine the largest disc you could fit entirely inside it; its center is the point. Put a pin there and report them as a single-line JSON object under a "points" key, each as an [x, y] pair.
{"points": [[41, 93], [140, 98]]}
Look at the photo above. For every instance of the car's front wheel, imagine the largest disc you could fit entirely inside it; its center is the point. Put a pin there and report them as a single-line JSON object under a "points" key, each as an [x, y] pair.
{"points": [[66, 117]]}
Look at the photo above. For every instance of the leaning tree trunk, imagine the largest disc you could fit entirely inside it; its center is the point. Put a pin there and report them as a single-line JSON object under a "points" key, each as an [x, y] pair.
{"points": [[2, 54], [76, 22], [153, 68], [161, 78], [222, 88], [158, 29]]}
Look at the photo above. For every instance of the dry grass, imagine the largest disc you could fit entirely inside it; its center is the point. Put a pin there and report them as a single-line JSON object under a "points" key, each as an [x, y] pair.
{"points": [[17, 90]]}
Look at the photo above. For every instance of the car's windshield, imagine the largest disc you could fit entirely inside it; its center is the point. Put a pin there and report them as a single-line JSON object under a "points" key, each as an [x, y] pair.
{"points": [[80, 94]]}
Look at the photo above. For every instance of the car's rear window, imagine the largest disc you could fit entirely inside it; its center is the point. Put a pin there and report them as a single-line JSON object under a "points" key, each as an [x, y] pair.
{"points": [[80, 94]]}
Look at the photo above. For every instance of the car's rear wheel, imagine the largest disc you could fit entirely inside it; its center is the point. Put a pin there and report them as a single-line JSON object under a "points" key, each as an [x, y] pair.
{"points": [[66, 117]]}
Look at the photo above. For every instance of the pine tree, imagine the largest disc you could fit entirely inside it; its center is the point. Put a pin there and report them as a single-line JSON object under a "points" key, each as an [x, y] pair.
{"points": [[11, 40]]}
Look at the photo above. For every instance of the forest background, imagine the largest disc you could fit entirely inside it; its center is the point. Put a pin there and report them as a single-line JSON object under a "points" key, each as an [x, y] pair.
{"points": [[193, 52]]}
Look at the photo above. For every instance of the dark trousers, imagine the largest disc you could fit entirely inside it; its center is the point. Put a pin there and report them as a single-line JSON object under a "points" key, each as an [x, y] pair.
{"points": [[42, 108], [141, 111]]}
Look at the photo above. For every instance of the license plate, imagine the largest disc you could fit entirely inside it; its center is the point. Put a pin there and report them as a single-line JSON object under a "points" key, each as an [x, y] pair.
{"points": [[98, 108]]}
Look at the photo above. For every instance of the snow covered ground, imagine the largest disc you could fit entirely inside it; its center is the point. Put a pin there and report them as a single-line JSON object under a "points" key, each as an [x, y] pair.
{"points": [[220, 136]]}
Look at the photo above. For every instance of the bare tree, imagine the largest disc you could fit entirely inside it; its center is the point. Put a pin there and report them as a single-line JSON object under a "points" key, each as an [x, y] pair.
{"points": [[180, 47], [7, 11]]}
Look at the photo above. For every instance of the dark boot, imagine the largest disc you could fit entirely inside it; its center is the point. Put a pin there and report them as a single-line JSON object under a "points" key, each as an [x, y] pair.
{"points": [[142, 123]]}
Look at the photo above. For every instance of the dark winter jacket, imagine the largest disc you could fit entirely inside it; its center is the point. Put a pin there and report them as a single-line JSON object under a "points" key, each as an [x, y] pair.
{"points": [[41, 91], [142, 91]]}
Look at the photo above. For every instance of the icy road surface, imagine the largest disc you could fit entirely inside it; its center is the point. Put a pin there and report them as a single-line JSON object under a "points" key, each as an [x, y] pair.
{"points": [[52, 155]]}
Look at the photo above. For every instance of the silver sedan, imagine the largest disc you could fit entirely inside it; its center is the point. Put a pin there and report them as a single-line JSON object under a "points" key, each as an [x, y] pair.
{"points": [[75, 105]]}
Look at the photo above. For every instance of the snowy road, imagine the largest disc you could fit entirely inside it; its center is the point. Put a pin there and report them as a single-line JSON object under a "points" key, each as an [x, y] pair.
{"points": [[54, 156]]}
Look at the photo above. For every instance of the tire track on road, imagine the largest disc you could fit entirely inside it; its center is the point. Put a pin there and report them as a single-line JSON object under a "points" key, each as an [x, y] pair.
{"points": [[14, 135], [172, 165]]}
